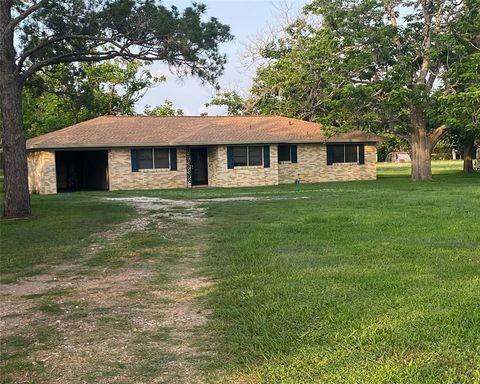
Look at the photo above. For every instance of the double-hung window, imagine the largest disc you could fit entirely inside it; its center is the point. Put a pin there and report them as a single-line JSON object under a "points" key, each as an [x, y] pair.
{"points": [[250, 155]]}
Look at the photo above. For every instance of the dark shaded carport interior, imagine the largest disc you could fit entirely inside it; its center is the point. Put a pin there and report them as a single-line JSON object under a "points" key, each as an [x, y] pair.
{"points": [[81, 170]]}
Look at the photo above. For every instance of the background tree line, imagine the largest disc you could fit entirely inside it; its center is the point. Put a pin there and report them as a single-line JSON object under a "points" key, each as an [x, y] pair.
{"points": [[408, 69], [72, 93]]}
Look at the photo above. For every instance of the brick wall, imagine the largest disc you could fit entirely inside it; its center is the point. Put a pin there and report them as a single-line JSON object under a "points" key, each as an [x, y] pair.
{"points": [[220, 176], [42, 176], [312, 166], [122, 177]]}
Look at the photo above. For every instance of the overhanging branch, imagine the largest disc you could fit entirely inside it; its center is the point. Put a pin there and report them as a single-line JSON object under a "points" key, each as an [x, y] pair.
{"points": [[69, 58], [437, 134], [53, 40], [14, 22]]}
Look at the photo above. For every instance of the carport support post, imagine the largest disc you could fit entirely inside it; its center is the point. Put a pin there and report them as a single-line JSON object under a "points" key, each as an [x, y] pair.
{"points": [[16, 200]]}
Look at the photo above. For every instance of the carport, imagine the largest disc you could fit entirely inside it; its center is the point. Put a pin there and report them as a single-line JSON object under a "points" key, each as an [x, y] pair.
{"points": [[81, 170]]}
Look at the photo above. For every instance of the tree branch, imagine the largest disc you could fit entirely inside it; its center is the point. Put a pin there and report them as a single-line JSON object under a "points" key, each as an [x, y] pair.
{"points": [[392, 17], [14, 22], [427, 41], [70, 58], [403, 135], [53, 40], [436, 134]]}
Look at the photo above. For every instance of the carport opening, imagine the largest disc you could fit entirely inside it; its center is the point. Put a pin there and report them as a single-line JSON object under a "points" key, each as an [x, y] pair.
{"points": [[81, 170]]}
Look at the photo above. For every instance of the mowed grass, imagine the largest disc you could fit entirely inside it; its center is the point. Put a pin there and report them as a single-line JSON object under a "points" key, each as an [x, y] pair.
{"points": [[365, 282], [58, 232], [354, 282]]}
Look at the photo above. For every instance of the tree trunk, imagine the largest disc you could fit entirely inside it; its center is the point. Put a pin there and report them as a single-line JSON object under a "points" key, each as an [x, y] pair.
{"points": [[16, 200], [468, 154], [421, 146]]}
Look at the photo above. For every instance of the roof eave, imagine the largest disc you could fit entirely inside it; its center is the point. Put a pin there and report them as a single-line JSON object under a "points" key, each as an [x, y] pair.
{"points": [[39, 147]]}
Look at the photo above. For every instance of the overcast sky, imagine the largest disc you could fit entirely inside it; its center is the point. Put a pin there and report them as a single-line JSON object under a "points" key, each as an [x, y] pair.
{"points": [[247, 19]]}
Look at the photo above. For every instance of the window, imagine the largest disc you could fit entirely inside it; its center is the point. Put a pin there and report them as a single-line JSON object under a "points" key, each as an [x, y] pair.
{"points": [[344, 153], [351, 153], [240, 157], [145, 158], [255, 155], [161, 158], [247, 155], [284, 153], [153, 158]]}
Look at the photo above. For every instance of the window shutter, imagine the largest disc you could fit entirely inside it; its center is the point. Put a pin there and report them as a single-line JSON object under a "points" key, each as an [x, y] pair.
{"points": [[293, 153], [173, 159], [266, 156], [329, 155], [361, 153], [134, 160], [230, 157]]}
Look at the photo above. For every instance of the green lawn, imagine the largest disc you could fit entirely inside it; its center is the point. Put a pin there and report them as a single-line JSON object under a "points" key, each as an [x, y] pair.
{"points": [[361, 283], [358, 282], [57, 233]]}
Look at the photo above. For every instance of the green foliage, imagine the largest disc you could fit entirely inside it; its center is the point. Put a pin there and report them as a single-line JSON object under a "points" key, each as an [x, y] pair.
{"points": [[71, 93], [232, 100], [459, 98], [58, 94], [97, 30], [367, 65], [166, 109], [392, 143]]}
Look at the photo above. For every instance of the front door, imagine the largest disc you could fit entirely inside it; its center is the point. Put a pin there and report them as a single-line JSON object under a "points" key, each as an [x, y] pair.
{"points": [[198, 158]]}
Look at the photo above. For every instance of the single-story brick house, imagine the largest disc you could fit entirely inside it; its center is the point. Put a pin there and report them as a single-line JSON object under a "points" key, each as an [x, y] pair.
{"points": [[140, 152]]}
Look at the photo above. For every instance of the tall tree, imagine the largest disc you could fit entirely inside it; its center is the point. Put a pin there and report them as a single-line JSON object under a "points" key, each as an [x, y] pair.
{"points": [[459, 96], [39, 34], [459, 106], [374, 64], [71, 93]]}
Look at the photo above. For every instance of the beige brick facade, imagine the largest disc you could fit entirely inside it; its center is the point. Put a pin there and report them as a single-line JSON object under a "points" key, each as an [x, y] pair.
{"points": [[42, 177], [220, 176], [122, 177], [311, 168]]}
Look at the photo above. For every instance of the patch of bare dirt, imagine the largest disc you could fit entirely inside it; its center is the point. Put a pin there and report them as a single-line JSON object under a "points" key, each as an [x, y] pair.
{"points": [[100, 315], [105, 319]]}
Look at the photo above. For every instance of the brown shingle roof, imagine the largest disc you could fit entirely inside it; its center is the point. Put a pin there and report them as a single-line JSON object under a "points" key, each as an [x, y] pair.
{"points": [[138, 131]]}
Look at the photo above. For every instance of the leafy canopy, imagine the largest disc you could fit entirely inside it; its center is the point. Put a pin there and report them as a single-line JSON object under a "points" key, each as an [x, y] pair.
{"points": [[53, 32], [373, 64], [71, 93]]}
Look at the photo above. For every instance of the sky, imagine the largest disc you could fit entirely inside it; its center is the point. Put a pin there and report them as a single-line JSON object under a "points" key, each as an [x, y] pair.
{"points": [[247, 19]]}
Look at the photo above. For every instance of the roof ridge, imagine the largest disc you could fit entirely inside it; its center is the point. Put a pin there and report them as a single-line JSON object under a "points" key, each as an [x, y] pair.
{"points": [[199, 116]]}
